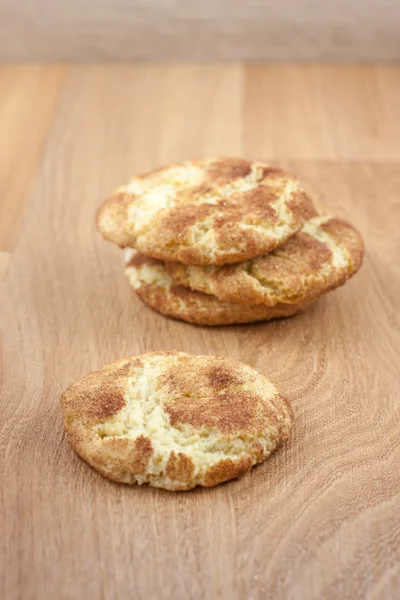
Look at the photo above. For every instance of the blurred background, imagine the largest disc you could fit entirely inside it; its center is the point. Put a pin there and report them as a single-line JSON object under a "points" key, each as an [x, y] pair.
{"points": [[187, 30]]}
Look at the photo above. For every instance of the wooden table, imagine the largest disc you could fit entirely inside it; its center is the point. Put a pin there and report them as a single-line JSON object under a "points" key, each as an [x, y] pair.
{"points": [[320, 520]]}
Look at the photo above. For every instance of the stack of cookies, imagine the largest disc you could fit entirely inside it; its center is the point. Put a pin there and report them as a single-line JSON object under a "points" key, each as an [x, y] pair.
{"points": [[218, 241]]}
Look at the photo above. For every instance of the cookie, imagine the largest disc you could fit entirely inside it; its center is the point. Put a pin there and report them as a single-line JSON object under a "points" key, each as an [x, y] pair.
{"points": [[152, 283], [210, 211], [175, 421], [322, 256]]}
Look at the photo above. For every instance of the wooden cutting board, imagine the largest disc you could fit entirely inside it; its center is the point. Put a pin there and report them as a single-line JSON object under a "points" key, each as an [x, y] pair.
{"points": [[319, 520]]}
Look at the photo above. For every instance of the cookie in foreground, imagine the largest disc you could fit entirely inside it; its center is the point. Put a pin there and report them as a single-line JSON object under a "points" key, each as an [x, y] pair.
{"points": [[175, 421], [156, 288], [209, 211], [322, 256]]}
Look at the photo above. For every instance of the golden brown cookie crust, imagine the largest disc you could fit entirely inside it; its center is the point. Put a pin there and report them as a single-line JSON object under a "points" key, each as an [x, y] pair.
{"points": [[174, 420], [210, 211], [151, 282], [321, 257]]}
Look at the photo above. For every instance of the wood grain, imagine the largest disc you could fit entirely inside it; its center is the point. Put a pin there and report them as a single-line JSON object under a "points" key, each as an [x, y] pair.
{"points": [[4, 260], [350, 30], [319, 520], [28, 95], [304, 111]]}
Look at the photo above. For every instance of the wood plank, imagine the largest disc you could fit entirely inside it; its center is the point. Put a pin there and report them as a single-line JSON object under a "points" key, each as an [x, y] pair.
{"points": [[28, 95], [320, 518], [316, 112], [4, 260], [110, 123]]}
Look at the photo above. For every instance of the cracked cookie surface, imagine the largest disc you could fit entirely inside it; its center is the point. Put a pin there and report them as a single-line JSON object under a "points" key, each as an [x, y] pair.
{"points": [[152, 283], [323, 255], [209, 211], [175, 421]]}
